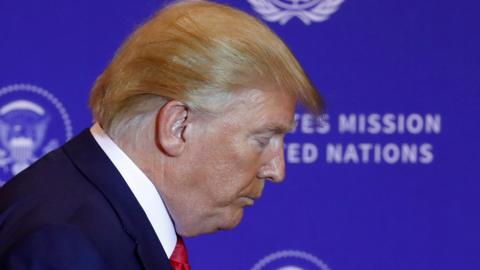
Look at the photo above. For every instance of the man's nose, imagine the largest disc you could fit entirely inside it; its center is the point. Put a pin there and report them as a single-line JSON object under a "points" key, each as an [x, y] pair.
{"points": [[274, 169]]}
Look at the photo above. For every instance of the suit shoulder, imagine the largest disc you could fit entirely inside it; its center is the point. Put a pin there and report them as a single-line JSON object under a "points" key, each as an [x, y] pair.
{"points": [[52, 190], [46, 173]]}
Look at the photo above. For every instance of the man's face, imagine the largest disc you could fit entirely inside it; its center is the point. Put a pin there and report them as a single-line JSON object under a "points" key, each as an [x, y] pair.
{"points": [[228, 159]]}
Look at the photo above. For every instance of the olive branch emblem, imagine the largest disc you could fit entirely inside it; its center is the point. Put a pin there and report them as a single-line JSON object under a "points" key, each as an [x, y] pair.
{"points": [[274, 13]]}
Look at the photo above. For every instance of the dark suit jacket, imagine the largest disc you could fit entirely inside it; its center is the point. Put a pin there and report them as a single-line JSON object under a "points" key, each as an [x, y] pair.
{"points": [[73, 210]]}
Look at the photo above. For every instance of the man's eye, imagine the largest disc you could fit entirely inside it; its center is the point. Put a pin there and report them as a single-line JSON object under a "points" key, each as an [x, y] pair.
{"points": [[263, 141]]}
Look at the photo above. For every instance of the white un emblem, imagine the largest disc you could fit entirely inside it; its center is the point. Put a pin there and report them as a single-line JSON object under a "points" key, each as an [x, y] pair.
{"points": [[32, 123], [307, 11], [290, 260]]}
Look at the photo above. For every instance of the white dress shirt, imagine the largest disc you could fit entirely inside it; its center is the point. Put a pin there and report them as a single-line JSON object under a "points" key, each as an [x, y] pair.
{"points": [[143, 189]]}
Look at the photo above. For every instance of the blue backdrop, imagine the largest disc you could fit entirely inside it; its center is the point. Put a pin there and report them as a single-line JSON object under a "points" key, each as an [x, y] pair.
{"points": [[387, 180]]}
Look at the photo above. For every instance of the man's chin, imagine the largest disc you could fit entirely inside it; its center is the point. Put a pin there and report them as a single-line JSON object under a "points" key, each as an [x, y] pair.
{"points": [[227, 222], [230, 220], [234, 219]]}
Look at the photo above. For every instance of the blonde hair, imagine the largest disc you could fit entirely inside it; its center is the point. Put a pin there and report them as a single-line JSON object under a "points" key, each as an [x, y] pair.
{"points": [[195, 52]]}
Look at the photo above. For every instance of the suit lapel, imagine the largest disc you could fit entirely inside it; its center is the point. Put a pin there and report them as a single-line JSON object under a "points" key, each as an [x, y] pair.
{"points": [[90, 159]]}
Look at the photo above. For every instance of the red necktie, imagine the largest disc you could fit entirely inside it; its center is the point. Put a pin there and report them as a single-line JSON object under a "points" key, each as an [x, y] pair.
{"points": [[179, 258]]}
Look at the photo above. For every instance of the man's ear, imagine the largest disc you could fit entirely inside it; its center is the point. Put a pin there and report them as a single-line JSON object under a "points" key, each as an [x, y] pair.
{"points": [[170, 127]]}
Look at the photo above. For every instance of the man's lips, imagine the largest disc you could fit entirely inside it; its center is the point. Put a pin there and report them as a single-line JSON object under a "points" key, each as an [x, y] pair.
{"points": [[249, 200], [252, 194]]}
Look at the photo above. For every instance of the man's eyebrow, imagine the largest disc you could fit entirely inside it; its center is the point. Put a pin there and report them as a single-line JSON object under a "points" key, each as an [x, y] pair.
{"points": [[278, 128]]}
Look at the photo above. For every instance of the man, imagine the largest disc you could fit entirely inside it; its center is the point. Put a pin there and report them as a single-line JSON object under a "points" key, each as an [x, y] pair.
{"points": [[190, 118]]}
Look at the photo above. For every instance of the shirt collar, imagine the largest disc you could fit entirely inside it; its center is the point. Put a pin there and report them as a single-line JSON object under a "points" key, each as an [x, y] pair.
{"points": [[141, 187]]}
